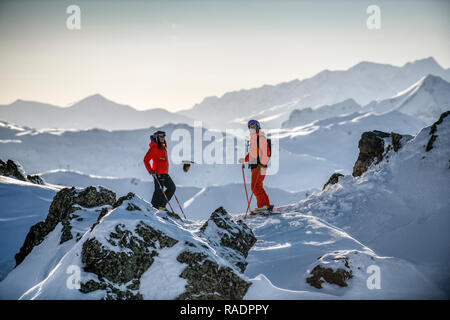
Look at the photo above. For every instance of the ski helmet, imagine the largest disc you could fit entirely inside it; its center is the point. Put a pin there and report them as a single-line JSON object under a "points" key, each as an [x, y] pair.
{"points": [[154, 137], [254, 122]]}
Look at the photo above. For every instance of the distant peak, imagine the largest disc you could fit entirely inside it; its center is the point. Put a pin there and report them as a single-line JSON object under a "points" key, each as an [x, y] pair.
{"points": [[430, 77], [364, 65], [430, 80], [95, 98], [426, 62]]}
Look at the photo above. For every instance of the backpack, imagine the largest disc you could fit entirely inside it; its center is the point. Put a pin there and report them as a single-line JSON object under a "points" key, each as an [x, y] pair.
{"points": [[269, 146], [269, 151]]}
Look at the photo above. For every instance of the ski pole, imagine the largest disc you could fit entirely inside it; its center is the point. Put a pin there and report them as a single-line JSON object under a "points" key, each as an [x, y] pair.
{"points": [[179, 206], [245, 184], [164, 193], [251, 196]]}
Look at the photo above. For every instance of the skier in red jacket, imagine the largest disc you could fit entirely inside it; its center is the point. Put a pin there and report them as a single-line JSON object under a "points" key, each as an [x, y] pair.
{"points": [[258, 157], [159, 169]]}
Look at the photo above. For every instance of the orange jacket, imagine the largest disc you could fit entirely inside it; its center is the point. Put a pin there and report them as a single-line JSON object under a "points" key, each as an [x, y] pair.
{"points": [[258, 155], [160, 161]]}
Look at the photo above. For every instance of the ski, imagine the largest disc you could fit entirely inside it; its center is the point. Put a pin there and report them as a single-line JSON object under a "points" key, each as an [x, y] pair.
{"points": [[269, 212]]}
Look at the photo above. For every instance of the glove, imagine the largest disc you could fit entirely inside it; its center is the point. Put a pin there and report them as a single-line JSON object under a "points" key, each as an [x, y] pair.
{"points": [[153, 172], [241, 160]]}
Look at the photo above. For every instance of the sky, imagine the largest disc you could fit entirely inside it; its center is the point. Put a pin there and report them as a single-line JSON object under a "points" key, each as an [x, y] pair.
{"points": [[173, 54]]}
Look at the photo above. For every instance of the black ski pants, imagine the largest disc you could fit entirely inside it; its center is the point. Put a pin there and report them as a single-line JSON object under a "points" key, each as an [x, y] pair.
{"points": [[158, 199]]}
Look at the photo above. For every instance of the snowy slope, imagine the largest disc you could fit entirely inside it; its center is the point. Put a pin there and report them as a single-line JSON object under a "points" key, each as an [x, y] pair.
{"points": [[308, 115], [306, 156], [132, 252], [120, 154], [22, 205], [291, 244], [426, 100], [400, 207]]}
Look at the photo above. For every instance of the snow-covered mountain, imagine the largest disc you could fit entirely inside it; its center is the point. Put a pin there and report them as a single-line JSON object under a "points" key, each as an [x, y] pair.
{"points": [[308, 115], [272, 104], [91, 112], [123, 249], [25, 203], [120, 154], [426, 99], [364, 237], [306, 155], [336, 139]]}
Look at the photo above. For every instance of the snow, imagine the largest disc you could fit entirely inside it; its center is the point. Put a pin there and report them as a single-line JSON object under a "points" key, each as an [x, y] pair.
{"points": [[364, 82], [425, 100], [103, 113], [377, 220], [164, 269], [22, 205], [278, 271], [392, 205], [394, 218]]}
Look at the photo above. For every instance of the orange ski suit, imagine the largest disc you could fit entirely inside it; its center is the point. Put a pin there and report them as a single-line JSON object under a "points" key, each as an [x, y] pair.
{"points": [[258, 158]]}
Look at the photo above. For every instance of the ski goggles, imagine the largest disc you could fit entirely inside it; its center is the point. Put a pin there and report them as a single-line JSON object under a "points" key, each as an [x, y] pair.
{"points": [[254, 123], [159, 134]]}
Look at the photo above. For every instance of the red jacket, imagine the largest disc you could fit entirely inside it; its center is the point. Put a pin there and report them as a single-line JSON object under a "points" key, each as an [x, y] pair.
{"points": [[160, 161]]}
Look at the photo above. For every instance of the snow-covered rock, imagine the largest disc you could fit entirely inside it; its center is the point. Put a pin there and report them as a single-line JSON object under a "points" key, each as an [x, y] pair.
{"points": [[125, 249], [15, 170], [373, 146]]}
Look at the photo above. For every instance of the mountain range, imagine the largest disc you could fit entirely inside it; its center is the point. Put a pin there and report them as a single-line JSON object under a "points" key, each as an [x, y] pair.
{"points": [[91, 112], [364, 83], [425, 100], [272, 105]]}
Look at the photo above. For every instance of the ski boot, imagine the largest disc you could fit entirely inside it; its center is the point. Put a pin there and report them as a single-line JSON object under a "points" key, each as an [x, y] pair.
{"points": [[264, 210]]}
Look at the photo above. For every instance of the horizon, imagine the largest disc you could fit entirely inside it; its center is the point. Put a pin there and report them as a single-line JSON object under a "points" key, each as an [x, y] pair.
{"points": [[173, 55], [99, 94]]}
